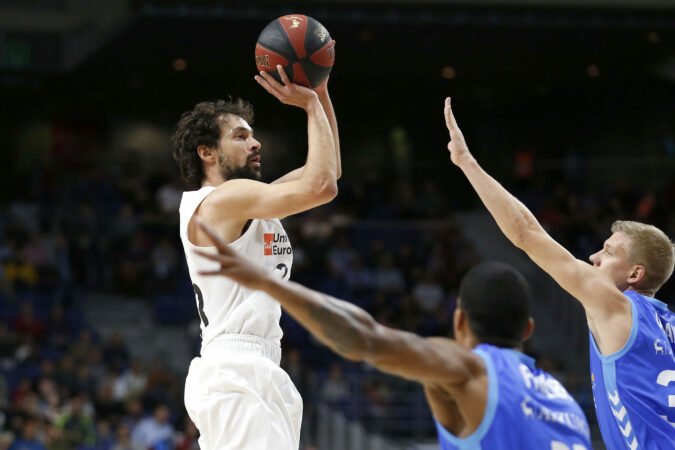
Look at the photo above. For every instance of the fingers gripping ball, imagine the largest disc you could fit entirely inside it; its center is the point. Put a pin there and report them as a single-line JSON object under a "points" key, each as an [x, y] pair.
{"points": [[301, 45]]}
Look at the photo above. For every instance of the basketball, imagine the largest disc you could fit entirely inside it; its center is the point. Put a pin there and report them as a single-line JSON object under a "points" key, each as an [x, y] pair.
{"points": [[301, 45]]}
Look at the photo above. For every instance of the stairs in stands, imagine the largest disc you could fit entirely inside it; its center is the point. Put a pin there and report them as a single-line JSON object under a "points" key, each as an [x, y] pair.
{"points": [[560, 330], [145, 339]]}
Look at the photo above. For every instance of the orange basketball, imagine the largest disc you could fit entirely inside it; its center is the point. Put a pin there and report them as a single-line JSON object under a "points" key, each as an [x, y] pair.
{"points": [[299, 43]]}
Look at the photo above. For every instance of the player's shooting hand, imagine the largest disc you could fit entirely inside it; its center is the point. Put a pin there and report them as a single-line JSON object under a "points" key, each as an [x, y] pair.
{"points": [[288, 93], [232, 265], [459, 152]]}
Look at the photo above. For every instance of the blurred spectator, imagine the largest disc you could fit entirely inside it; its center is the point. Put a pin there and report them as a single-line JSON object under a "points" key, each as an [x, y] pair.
{"points": [[165, 260], [334, 390], [58, 328], [358, 277], [131, 383], [115, 351], [188, 438], [133, 413], [29, 436], [169, 196], [27, 324], [105, 438], [342, 254], [65, 373], [388, 277], [154, 430], [81, 348], [161, 384], [76, 425], [123, 439], [19, 273], [50, 399], [428, 293]]}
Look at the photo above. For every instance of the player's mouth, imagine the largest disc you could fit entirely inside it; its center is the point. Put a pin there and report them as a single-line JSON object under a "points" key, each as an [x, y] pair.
{"points": [[255, 160]]}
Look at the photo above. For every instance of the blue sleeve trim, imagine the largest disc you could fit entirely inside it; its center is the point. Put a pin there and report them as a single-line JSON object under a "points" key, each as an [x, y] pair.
{"points": [[607, 359], [473, 441]]}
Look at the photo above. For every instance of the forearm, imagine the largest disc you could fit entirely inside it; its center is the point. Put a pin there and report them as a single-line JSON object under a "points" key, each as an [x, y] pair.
{"points": [[513, 218], [320, 169], [343, 327], [332, 120]]}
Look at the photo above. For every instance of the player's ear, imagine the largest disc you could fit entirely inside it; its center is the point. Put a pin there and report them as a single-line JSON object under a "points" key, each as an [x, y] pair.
{"points": [[529, 328], [637, 274], [458, 321], [206, 153]]}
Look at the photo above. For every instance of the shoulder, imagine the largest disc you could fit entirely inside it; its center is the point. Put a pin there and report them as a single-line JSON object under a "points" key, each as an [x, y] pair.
{"points": [[473, 361]]}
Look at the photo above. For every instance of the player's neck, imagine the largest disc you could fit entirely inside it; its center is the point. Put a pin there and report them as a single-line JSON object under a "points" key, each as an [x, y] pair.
{"points": [[212, 179]]}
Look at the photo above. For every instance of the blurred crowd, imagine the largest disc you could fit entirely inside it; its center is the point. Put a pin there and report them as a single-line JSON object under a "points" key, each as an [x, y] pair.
{"points": [[388, 246]]}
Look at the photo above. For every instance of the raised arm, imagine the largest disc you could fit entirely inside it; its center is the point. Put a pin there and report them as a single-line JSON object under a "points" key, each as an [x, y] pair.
{"points": [[249, 199], [324, 98], [349, 330], [607, 310]]}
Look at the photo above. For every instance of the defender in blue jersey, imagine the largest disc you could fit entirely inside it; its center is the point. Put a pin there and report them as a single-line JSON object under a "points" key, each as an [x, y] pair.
{"points": [[483, 392], [632, 335]]}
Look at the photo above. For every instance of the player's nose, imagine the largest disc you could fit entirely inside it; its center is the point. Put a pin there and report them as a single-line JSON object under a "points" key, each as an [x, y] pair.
{"points": [[595, 259], [255, 145]]}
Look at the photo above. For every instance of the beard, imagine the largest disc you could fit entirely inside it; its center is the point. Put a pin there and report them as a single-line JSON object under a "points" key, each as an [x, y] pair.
{"points": [[231, 172]]}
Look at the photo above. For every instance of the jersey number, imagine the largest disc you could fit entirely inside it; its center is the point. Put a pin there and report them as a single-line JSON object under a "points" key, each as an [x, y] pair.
{"points": [[200, 304], [284, 269], [664, 379]]}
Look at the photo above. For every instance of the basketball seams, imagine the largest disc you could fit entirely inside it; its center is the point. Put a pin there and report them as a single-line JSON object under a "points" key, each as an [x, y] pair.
{"points": [[311, 26], [299, 43], [300, 50], [315, 57], [287, 44]]}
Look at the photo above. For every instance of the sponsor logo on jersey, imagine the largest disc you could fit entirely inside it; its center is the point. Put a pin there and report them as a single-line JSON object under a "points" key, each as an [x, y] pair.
{"points": [[533, 410], [276, 244], [545, 384]]}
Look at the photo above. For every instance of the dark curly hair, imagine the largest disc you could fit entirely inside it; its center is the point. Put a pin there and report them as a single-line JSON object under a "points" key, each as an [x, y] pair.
{"points": [[496, 299], [201, 126]]}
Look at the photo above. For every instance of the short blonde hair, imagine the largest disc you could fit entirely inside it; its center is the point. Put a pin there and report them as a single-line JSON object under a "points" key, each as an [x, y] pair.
{"points": [[651, 248]]}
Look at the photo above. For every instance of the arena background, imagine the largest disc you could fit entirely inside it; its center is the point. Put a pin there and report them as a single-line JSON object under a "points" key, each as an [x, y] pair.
{"points": [[570, 104]]}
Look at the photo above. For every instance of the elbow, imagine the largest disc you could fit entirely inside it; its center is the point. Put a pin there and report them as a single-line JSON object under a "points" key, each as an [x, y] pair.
{"points": [[520, 239], [326, 191], [525, 239]]}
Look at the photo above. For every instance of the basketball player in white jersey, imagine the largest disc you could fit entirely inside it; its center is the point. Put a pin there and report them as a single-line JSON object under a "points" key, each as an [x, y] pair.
{"points": [[236, 393]]}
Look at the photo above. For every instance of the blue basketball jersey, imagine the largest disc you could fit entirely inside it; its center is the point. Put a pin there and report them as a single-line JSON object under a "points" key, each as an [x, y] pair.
{"points": [[634, 388], [526, 409]]}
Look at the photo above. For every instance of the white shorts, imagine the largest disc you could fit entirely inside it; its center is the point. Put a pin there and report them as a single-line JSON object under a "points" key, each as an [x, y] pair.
{"points": [[240, 399]]}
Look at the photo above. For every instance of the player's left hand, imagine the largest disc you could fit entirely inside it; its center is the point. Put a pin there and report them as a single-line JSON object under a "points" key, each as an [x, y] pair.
{"points": [[232, 265], [459, 151]]}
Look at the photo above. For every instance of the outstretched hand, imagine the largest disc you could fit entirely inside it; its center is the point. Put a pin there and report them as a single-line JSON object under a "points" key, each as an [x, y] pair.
{"points": [[231, 264], [459, 152], [288, 93]]}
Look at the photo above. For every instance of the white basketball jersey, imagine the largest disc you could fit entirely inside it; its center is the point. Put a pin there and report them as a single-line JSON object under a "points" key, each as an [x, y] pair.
{"points": [[223, 305]]}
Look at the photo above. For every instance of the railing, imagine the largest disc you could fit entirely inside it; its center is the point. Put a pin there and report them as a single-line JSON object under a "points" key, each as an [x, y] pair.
{"points": [[397, 419], [337, 433]]}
